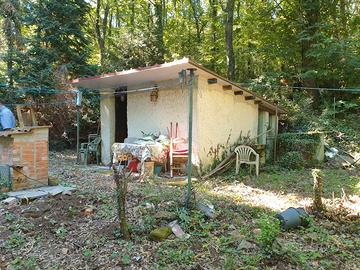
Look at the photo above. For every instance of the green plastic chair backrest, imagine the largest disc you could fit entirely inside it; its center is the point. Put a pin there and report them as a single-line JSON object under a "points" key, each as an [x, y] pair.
{"points": [[93, 145]]}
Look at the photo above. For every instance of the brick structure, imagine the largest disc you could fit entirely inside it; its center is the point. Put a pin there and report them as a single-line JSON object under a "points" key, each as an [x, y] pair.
{"points": [[26, 151]]}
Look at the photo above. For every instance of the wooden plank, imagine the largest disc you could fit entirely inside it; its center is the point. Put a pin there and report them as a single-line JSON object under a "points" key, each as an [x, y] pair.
{"points": [[19, 115], [249, 98], [26, 116], [257, 101], [212, 81], [238, 93], [33, 117], [227, 87]]}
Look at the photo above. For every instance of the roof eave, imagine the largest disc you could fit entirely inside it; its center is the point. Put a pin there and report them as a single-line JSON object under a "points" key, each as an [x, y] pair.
{"points": [[266, 103]]}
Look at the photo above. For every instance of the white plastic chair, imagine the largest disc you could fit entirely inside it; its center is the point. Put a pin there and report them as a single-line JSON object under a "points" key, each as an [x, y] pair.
{"points": [[243, 154]]}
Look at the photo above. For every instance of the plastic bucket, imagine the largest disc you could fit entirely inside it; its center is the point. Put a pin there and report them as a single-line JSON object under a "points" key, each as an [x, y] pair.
{"points": [[157, 169], [292, 218]]}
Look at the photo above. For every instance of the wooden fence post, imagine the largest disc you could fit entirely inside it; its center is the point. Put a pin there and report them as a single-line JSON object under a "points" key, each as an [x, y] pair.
{"points": [[121, 190]]}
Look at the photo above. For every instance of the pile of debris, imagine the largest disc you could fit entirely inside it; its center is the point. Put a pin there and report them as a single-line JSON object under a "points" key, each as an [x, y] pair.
{"points": [[24, 196], [339, 156]]}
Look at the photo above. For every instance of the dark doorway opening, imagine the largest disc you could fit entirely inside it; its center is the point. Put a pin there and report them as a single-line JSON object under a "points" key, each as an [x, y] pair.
{"points": [[121, 128]]}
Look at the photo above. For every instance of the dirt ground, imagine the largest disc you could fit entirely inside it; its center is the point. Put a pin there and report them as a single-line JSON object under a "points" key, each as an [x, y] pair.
{"points": [[80, 231]]}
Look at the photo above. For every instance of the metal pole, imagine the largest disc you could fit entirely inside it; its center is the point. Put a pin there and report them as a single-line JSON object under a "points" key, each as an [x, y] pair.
{"points": [[276, 132], [78, 134], [191, 81], [78, 106]]}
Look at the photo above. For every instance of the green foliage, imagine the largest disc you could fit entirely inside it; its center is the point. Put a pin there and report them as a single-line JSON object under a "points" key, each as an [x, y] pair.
{"points": [[312, 44], [24, 263], [292, 160], [126, 260], [61, 232], [297, 150], [174, 253], [270, 229], [3, 195], [86, 253], [16, 240], [59, 47]]}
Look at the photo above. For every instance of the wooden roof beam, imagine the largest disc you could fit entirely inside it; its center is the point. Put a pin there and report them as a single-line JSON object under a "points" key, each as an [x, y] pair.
{"points": [[238, 93], [227, 87], [250, 97], [257, 102], [212, 81]]}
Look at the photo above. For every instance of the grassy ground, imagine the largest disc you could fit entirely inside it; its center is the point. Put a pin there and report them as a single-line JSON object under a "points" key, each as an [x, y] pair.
{"points": [[58, 232], [301, 182]]}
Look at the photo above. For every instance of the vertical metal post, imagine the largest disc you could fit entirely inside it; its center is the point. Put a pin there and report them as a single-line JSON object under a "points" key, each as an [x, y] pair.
{"points": [[78, 106], [78, 134], [276, 133], [191, 82]]}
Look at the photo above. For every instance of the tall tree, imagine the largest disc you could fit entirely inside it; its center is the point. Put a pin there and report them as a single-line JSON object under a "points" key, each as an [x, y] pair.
{"points": [[102, 27], [228, 9], [213, 6], [59, 43], [309, 36], [10, 11], [160, 17]]}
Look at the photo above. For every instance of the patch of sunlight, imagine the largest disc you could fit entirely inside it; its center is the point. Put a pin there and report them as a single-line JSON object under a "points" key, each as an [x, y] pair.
{"points": [[357, 188], [259, 197], [274, 200]]}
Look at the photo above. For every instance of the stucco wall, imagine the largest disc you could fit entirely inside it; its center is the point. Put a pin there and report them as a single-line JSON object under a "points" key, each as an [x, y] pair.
{"points": [[107, 118], [263, 126], [153, 117], [222, 114], [217, 114]]}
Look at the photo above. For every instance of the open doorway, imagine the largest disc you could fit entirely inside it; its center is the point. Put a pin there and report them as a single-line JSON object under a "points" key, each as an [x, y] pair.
{"points": [[121, 127]]}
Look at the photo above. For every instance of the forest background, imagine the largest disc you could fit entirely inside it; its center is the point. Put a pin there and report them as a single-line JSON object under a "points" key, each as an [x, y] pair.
{"points": [[282, 49]]}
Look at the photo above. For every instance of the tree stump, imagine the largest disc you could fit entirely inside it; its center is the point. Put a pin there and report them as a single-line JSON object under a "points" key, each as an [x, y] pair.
{"points": [[318, 190], [121, 190]]}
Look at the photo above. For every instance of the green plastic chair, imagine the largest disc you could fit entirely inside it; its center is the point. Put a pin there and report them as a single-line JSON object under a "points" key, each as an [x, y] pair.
{"points": [[92, 147]]}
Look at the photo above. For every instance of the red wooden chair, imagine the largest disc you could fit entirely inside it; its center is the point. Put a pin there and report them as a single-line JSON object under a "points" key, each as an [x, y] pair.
{"points": [[178, 154]]}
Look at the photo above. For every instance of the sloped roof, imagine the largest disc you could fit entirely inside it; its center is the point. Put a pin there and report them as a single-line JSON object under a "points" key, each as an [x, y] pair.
{"points": [[161, 72]]}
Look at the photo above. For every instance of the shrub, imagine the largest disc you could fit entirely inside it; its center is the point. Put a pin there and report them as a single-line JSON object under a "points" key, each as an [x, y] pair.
{"points": [[292, 160], [270, 229], [298, 150]]}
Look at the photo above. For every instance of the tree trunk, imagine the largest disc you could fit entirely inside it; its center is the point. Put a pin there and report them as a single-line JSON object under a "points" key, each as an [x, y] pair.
{"points": [[101, 26], [229, 23], [318, 190], [343, 19], [10, 55], [197, 20], [159, 30], [121, 190], [311, 10], [132, 18], [213, 27]]}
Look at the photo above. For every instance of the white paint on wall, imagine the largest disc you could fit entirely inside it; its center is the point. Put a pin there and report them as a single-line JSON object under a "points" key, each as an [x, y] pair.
{"points": [[154, 117], [217, 114], [107, 118], [264, 126], [221, 114]]}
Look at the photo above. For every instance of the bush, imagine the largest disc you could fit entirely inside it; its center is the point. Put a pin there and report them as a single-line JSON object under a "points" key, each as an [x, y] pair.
{"points": [[292, 160], [297, 150], [270, 229]]}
